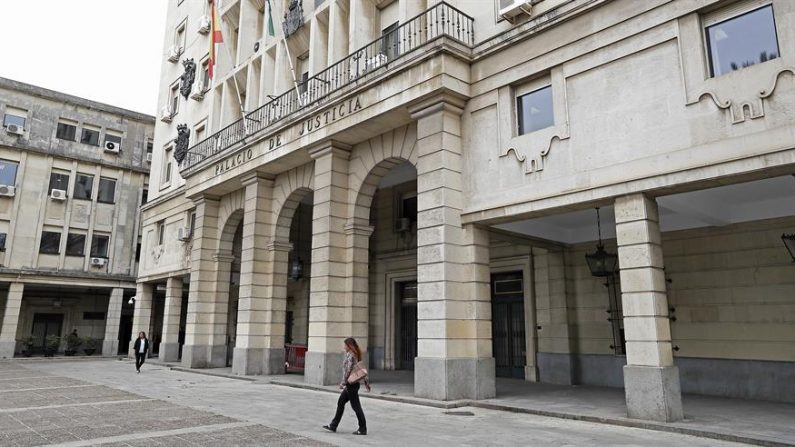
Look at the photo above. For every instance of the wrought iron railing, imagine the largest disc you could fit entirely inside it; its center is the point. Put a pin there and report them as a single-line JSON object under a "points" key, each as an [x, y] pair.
{"points": [[440, 20]]}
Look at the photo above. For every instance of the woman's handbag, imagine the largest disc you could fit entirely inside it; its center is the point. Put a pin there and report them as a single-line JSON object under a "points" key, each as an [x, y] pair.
{"points": [[358, 373]]}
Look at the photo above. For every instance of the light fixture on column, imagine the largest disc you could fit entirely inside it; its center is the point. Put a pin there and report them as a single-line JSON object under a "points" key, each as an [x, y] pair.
{"points": [[789, 242], [600, 262], [56, 303], [296, 266]]}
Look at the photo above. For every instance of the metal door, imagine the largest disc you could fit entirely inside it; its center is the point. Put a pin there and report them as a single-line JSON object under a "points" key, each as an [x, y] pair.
{"points": [[508, 324], [44, 325], [407, 297]]}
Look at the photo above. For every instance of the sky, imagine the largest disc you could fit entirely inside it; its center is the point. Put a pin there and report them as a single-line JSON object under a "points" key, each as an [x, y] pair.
{"points": [[104, 50]]}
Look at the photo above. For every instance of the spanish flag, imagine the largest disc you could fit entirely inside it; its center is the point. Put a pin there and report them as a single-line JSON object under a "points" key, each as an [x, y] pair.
{"points": [[215, 37]]}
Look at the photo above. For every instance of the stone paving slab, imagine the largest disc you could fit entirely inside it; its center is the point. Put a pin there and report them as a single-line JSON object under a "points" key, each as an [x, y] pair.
{"points": [[258, 435], [20, 383], [62, 396]]}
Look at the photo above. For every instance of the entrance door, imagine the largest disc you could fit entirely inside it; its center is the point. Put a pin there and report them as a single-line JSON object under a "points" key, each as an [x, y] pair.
{"points": [[508, 324], [44, 325], [407, 297], [125, 334], [231, 330]]}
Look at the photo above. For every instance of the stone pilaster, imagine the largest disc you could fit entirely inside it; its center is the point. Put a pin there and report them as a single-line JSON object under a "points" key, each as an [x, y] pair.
{"points": [[110, 345], [331, 318], [259, 344], [208, 299], [142, 316], [651, 381], [169, 346], [555, 363], [8, 331], [454, 306]]}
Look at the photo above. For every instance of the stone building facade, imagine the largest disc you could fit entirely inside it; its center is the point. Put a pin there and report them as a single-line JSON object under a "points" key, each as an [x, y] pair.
{"points": [[422, 175], [73, 174]]}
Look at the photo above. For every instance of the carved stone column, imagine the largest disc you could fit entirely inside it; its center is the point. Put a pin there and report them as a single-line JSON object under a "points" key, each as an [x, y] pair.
{"points": [[110, 344], [169, 347], [142, 316]]}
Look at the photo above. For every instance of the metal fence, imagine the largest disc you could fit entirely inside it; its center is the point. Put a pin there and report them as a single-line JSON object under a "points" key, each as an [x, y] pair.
{"points": [[440, 20]]}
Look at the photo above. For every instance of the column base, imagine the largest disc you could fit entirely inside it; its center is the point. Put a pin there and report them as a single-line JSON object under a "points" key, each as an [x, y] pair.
{"points": [[653, 393], [7, 349], [273, 361], [247, 361], [110, 347], [204, 356], [169, 352], [453, 379], [531, 373], [323, 368]]}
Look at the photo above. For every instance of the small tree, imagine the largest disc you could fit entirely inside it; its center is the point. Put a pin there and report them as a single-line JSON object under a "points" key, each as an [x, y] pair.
{"points": [[90, 345], [27, 345], [52, 343]]}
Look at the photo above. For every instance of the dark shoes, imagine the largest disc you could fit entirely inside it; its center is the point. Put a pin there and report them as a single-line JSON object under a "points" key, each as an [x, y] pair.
{"points": [[359, 432], [333, 430]]}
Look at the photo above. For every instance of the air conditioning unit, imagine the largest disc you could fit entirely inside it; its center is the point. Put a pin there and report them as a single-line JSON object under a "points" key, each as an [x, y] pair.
{"points": [[6, 190], [509, 9], [198, 93], [15, 129], [148, 157], [403, 225], [112, 146], [165, 114], [204, 24], [98, 262], [183, 234], [58, 194], [173, 53], [376, 61]]}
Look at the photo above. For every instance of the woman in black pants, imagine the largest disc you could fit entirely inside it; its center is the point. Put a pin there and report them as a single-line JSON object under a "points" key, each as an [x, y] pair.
{"points": [[350, 391], [141, 348]]}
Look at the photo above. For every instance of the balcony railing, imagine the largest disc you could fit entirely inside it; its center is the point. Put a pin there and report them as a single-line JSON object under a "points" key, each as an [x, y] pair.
{"points": [[440, 20]]}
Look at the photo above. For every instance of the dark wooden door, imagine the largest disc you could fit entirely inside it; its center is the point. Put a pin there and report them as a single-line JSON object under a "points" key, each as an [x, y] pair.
{"points": [[508, 324], [407, 296], [44, 325]]}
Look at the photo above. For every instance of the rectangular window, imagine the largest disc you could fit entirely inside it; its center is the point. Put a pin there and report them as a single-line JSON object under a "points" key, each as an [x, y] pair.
{"points": [[2, 241], [107, 190], [99, 246], [144, 196], [138, 252], [205, 76], [113, 138], [84, 185], [409, 207], [8, 173], [50, 242], [390, 41], [90, 136], [166, 175], [75, 244], [161, 232], [534, 110], [59, 180], [304, 82], [192, 222], [149, 146], [15, 116], [742, 41], [174, 104], [179, 35], [66, 131]]}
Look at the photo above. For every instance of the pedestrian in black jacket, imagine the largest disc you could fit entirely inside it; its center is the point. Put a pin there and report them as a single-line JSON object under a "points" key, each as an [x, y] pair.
{"points": [[141, 348]]}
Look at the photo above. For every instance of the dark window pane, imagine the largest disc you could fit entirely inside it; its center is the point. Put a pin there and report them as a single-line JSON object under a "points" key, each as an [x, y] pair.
{"points": [[59, 181], [8, 173], [409, 208], [742, 41], [94, 316], [75, 244], [50, 241], [107, 190], [149, 146], [66, 132], [138, 252], [2, 241], [145, 196], [114, 138], [13, 119], [84, 185], [534, 110], [90, 137], [99, 246]]}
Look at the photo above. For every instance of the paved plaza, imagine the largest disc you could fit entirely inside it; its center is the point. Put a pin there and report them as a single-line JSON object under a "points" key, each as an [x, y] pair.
{"points": [[104, 402]]}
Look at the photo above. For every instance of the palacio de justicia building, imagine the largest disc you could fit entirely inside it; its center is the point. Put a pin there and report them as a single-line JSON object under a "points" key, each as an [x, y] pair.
{"points": [[576, 192]]}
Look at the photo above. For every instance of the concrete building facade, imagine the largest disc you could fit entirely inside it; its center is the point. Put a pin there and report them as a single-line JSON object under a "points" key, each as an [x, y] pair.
{"points": [[73, 174], [422, 175]]}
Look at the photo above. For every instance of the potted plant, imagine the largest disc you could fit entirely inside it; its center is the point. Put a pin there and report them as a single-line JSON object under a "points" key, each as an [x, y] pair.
{"points": [[73, 342], [27, 345], [52, 343], [90, 344]]}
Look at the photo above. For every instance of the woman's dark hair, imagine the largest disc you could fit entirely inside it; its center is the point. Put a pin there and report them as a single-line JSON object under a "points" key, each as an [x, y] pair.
{"points": [[142, 332], [350, 342]]}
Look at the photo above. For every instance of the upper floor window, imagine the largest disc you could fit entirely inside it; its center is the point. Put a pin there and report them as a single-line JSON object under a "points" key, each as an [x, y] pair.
{"points": [[144, 196], [113, 137], [204, 80], [161, 232], [166, 175], [8, 173], [179, 35], [174, 101], [534, 110], [59, 180], [84, 186], [75, 244], [2, 241], [90, 136], [149, 146], [199, 133], [50, 242], [99, 246], [741, 41], [107, 190], [15, 116], [67, 130]]}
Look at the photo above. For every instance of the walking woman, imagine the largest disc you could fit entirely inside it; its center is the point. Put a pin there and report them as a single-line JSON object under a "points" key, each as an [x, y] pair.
{"points": [[141, 348], [350, 391]]}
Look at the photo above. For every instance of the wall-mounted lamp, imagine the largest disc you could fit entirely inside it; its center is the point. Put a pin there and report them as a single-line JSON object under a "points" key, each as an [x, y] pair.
{"points": [[296, 269], [132, 300], [789, 242], [56, 302]]}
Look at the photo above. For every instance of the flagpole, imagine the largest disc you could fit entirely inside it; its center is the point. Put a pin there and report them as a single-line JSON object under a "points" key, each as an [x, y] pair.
{"points": [[234, 66], [289, 56]]}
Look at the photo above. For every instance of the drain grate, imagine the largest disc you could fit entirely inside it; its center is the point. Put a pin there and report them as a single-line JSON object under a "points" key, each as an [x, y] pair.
{"points": [[459, 413]]}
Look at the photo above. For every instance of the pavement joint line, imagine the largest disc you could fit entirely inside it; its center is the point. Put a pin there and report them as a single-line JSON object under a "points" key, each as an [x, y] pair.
{"points": [[76, 404], [154, 434], [30, 378], [50, 388]]}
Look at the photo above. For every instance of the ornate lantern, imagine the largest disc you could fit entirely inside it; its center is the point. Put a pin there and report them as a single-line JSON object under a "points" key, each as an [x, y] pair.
{"points": [[600, 262]]}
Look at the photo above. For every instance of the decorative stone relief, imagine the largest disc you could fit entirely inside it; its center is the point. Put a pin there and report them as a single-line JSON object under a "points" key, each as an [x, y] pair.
{"points": [[749, 108], [187, 77], [182, 142], [293, 18], [534, 162]]}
